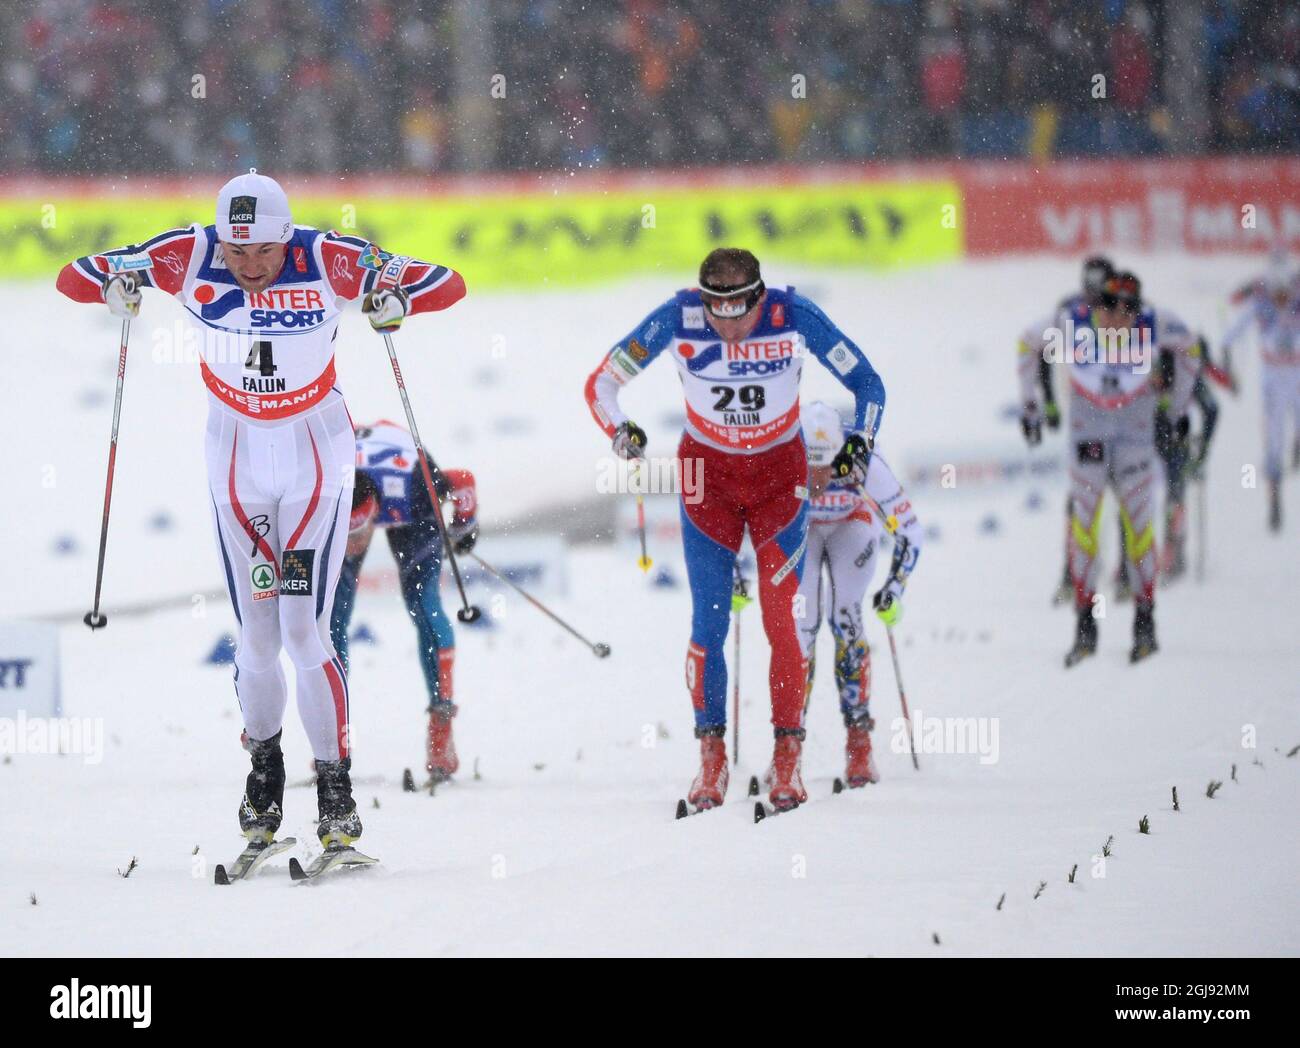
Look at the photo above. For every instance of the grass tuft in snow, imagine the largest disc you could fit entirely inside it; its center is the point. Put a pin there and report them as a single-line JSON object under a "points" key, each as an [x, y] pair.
{"points": [[1213, 788], [1144, 825], [1175, 789], [129, 867]]}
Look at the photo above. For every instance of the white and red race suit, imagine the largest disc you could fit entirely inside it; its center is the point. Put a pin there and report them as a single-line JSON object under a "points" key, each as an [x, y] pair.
{"points": [[280, 446]]}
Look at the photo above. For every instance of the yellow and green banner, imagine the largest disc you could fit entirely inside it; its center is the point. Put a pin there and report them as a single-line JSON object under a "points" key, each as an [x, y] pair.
{"points": [[542, 238]]}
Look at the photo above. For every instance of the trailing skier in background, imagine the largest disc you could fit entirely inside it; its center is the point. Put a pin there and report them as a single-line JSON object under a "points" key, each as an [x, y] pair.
{"points": [[390, 494], [1272, 307], [1131, 372], [1038, 392], [848, 521]]}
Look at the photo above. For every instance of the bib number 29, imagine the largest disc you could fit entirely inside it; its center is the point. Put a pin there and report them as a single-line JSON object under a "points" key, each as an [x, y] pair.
{"points": [[752, 398]]}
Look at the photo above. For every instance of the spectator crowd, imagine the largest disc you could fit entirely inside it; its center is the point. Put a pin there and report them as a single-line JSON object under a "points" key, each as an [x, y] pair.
{"points": [[427, 86]]}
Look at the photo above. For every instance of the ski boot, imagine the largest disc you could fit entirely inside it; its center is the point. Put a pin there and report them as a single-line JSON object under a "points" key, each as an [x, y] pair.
{"points": [[441, 762], [783, 777], [859, 765], [1085, 638], [261, 810], [710, 785], [339, 823], [1144, 632]]}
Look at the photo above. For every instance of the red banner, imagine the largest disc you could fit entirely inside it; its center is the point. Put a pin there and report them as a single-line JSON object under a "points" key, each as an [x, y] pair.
{"points": [[1073, 207]]}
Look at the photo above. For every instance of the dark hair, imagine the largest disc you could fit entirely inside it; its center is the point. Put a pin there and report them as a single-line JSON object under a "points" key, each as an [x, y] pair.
{"points": [[729, 262]]}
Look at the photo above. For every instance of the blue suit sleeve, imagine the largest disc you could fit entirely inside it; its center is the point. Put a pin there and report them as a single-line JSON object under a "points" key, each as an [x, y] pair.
{"points": [[624, 362], [841, 355], [650, 337]]}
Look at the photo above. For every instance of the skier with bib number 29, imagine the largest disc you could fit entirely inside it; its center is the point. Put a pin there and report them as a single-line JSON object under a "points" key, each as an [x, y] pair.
{"points": [[739, 348]]}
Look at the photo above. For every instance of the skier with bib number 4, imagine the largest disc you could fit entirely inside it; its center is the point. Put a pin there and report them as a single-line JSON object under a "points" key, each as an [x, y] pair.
{"points": [[739, 349], [264, 297]]}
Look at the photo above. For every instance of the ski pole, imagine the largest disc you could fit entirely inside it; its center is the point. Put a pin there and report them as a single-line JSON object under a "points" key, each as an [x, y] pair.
{"points": [[468, 612], [902, 697], [740, 599], [598, 649], [735, 700], [95, 619], [645, 562]]}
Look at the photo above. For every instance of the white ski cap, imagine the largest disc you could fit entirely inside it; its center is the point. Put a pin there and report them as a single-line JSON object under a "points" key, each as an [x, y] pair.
{"points": [[822, 432], [253, 209]]}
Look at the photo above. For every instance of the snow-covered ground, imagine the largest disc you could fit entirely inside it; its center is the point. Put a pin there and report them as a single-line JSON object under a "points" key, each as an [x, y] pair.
{"points": [[565, 842]]}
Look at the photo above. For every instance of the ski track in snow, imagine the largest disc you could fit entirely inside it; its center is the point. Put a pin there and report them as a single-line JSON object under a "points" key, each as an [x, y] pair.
{"points": [[582, 854]]}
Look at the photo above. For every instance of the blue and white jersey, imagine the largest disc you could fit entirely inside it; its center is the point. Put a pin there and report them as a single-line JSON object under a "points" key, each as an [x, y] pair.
{"points": [[386, 454], [740, 396]]}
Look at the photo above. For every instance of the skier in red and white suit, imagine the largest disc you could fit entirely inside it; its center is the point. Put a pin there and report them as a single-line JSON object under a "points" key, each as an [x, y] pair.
{"points": [[739, 349], [265, 297]]}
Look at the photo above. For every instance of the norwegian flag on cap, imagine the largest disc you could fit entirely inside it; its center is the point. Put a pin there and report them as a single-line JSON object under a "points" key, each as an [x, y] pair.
{"points": [[254, 208]]}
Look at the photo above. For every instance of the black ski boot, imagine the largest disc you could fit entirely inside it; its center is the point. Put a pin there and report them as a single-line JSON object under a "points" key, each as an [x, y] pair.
{"points": [[339, 823], [262, 808], [1144, 633], [1085, 638]]}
